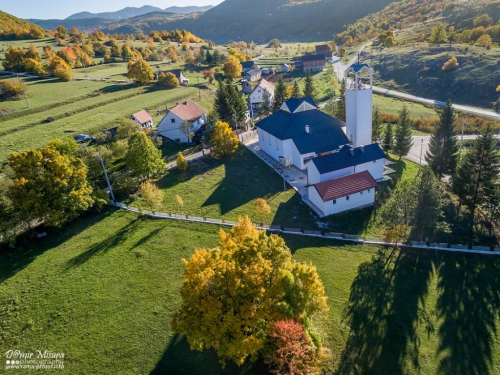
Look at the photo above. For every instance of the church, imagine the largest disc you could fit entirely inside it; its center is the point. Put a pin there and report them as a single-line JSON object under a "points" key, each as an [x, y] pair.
{"points": [[340, 160]]}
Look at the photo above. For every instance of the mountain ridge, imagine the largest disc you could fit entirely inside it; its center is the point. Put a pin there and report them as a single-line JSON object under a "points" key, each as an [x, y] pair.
{"points": [[130, 12]]}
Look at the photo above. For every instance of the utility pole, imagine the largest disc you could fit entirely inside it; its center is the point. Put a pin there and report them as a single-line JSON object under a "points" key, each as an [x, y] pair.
{"points": [[107, 179], [421, 149], [235, 122], [24, 92], [462, 139], [84, 68]]}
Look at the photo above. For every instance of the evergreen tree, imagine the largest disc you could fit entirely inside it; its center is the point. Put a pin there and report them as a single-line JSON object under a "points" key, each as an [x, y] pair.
{"points": [[340, 110], [309, 88], [208, 58], [221, 104], [388, 138], [237, 102], [475, 179], [443, 145], [264, 107], [402, 139], [279, 95], [296, 90], [376, 126], [216, 58], [228, 102]]}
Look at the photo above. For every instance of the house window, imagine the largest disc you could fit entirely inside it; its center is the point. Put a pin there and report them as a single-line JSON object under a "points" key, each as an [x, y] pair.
{"points": [[334, 201], [347, 198], [172, 120], [374, 161], [369, 190], [361, 193], [258, 90]]}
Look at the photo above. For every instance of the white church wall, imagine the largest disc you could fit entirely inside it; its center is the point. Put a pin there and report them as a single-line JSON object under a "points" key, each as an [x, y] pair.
{"points": [[376, 168], [356, 200], [335, 174], [313, 176], [270, 145], [315, 198]]}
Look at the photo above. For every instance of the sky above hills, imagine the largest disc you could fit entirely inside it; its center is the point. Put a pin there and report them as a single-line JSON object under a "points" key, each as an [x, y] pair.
{"points": [[60, 9]]}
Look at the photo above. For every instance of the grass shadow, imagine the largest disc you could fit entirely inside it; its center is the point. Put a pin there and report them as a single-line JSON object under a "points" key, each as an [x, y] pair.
{"points": [[384, 310], [179, 359]]}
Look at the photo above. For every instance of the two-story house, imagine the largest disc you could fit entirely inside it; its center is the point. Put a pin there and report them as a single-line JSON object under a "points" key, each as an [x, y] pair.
{"points": [[172, 125]]}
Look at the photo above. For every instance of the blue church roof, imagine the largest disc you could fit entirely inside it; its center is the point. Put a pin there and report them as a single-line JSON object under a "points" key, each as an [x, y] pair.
{"points": [[325, 132], [358, 67], [344, 158]]}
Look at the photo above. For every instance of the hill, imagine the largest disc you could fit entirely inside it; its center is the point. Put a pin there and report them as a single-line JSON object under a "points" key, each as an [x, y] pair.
{"points": [[130, 12], [15, 28]]}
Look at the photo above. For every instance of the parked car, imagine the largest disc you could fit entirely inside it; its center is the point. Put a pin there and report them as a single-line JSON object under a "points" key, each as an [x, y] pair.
{"points": [[82, 138]]}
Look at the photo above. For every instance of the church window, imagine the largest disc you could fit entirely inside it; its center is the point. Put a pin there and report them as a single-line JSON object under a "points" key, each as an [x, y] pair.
{"points": [[347, 198], [334, 201]]}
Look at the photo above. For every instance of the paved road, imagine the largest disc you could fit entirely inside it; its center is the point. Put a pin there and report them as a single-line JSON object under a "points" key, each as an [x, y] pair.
{"points": [[421, 145]]}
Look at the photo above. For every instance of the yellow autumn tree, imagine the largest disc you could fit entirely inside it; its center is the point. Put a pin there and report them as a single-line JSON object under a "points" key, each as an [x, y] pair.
{"points": [[140, 71], [232, 67], [261, 209], [224, 141], [451, 64], [152, 195], [182, 163], [168, 79], [232, 295]]}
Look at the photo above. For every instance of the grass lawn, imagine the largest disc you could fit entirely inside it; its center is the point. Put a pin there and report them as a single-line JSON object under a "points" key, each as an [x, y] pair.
{"points": [[387, 104], [102, 292]]}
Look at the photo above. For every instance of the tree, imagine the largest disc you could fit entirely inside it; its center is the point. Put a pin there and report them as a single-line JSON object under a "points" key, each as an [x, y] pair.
{"points": [[168, 79], [66, 146], [342, 52], [223, 140], [476, 176], [140, 71], [143, 157], [279, 95], [48, 186], [376, 126], [236, 292], [62, 32], [232, 67], [443, 145], [340, 112], [126, 127], [182, 163], [451, 64], [264, 107], [59, 68], [438, 34], [309, 88], [186, 127], [421, 37], [261, 209], [208, 74], [484, 41], [403, 137], [10, 89], [483, 20], [388, 138], [295, 90], [229, 103], [152, 195], [292, 351]]}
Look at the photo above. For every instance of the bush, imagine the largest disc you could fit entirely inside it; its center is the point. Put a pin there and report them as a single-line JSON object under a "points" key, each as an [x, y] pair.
{"points": [[425, 125], [389, 118], [11, 90], [451, 64]]}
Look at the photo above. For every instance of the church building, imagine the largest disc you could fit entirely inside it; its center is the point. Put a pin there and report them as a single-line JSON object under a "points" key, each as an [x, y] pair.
{"points": [[341, 162]]}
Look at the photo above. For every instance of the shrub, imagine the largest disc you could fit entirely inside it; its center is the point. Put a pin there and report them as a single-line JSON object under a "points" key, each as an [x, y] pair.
{"points": [[389, 118], [425, 125], [11, 90], [451, 64]]}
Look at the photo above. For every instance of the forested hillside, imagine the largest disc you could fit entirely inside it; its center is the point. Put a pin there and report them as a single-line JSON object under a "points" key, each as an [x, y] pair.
{"points": [[15, 28]]}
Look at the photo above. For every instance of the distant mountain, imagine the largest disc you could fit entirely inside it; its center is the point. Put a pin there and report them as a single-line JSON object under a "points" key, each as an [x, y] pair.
{"points": [[130, 12], [15, 28]]}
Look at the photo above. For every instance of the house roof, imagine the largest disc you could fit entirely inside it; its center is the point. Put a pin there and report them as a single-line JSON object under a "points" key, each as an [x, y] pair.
{"points": [[344, 158], [357, 67], [323, 48], [142, 116], [325, 132], [188, 111], [266, 85], [247, 64], [176, 72], [253, 72], [319, 56], [346, 185]]}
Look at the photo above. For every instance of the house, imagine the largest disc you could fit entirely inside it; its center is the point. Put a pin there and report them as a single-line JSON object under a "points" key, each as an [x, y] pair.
{"points": [[253, 75], [257, 95], [246, 87], [344, 193], [188, 112], [314, 63], [299, 131], [346, 161], [265, 71], [176, 72], [143, 118], [297, 63], [285, 68], [247, 65], [325, 50]]}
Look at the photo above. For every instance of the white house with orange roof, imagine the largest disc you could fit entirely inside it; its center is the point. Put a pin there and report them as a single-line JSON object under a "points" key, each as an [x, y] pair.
{"points": [[143, 118], [189, 112]]}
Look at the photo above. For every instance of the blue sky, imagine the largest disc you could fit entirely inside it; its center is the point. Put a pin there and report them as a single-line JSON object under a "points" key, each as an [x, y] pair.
{"points": [[61, 9]]}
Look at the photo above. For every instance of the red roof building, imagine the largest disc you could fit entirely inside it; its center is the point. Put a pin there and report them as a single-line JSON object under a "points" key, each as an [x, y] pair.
{"points": [[143, 118]]}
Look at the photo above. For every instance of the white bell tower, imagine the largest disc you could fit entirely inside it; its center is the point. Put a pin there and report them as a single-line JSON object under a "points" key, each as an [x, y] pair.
{"points": [[358, 103]]}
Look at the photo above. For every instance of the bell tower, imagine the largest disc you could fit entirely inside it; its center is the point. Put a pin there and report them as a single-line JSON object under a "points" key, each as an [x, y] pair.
{"points": [[358, 102]]}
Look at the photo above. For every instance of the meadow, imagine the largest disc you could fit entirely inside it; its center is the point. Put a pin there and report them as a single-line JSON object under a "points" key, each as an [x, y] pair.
{"points": [[102, 292]]}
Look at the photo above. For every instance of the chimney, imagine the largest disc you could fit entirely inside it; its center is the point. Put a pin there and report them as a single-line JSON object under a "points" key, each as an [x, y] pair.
{"points": [[307, 129], [185, 103], [176, 104], [351, 150], [362, 149]]}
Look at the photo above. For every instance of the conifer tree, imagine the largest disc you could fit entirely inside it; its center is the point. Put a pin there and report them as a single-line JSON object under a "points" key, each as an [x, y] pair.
{"points": [[376, 126], [264, 106], [279, 95], [402, 138], [296, 90], [238, 105], [309, 88], [443, 145], [340, 109], [388, 138]]}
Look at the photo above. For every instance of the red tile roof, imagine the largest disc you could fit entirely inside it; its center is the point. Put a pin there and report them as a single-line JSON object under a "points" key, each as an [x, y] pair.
{"points": [[266, 85], [188, 111], [346, 185], [143, 116]]}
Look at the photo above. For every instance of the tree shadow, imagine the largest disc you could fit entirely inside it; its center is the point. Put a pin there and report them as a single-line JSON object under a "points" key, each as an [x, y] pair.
{"points": [[27, 250], [385, 308], [469, 306], [179, 359], [105, 245]]}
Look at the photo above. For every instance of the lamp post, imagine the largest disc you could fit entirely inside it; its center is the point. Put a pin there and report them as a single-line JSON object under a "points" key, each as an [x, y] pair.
{"points": [[421, 149], [462, 139]]}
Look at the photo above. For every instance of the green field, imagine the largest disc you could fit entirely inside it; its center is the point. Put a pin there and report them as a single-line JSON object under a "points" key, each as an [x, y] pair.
{"points": [[102, 292]]}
